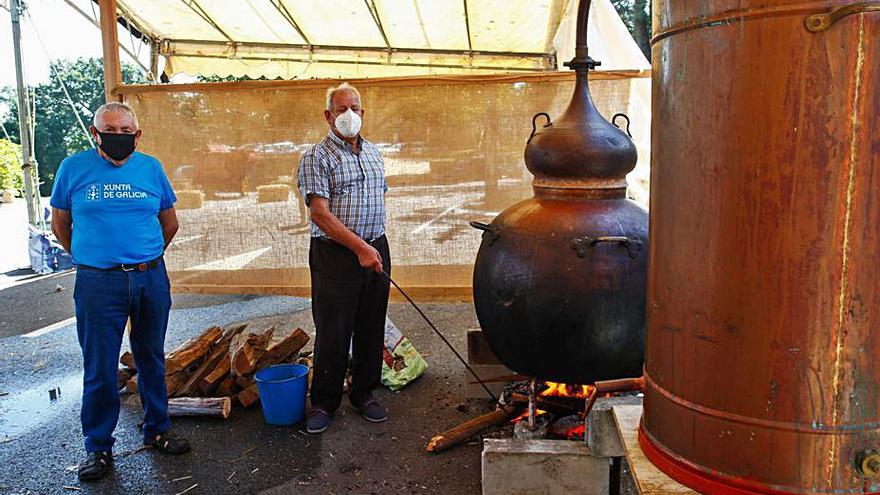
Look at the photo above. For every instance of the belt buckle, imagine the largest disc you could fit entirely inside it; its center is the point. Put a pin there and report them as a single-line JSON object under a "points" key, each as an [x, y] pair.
{"points": [[126, 268]]}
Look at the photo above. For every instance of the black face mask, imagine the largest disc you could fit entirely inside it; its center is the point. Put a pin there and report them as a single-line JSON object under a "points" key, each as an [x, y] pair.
{"points": [[117, 146]]}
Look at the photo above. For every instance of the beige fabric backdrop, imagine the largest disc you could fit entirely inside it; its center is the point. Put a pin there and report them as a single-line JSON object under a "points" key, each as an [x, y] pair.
{"points": [[453, 153]]}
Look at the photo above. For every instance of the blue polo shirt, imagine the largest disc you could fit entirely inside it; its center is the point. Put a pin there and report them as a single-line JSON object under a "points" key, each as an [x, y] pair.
{"points": [[114, 209]]}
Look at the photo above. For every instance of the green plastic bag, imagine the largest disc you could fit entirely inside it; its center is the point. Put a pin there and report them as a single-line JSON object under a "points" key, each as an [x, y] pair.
{"points": [[401, 362]]}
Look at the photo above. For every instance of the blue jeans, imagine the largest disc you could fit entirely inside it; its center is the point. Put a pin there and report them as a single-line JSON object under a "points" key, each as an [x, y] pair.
{"points": [[104, 301]]}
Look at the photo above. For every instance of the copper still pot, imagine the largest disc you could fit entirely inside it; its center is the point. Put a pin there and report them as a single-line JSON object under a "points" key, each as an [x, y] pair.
{"points": [[764, 303], [560, 278]]}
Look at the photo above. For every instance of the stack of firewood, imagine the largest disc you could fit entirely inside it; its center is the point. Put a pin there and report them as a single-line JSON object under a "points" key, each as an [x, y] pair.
{"points": [[206, 373]]}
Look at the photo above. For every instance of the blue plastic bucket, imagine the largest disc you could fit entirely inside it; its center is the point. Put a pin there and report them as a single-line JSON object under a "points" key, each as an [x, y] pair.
{"points": [[283, 392]]}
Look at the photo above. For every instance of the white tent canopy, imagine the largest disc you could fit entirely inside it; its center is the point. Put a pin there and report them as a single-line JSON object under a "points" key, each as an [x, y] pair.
{"points": [[376, 38]]}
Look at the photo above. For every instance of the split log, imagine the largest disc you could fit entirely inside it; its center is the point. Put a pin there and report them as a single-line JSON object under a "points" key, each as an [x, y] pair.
{"points": [[248, 396], [212, 380], [192, 350], [131, 386], [246, 350], [244, 381], [279, 353], [218, 352], [190, 386], [174, 381], [283, 351], [468, 429], [123, 375], [127, 360], [200, 406], [227, 387]]}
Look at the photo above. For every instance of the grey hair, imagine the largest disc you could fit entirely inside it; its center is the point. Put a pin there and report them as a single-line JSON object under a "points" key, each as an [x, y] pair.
{"points": [[115, 107], [331, 92]]}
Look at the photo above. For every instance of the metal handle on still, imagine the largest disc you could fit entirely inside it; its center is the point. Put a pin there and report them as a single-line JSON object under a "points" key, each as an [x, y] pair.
{"points": [[535, 124], [581, 245], [817, 23], [489, 231]]}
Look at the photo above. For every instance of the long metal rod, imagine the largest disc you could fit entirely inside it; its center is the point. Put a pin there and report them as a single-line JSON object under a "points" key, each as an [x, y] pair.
{"points": [[467, 26], [374, 12], [97, 25], [282, 9], [57, 76], [442, 337], [533, 400], [29, 164], [361, 62], [257, 46], [201, 12]]}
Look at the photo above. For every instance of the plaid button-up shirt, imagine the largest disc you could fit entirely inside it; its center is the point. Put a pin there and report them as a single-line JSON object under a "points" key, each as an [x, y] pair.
{"points": [[353, 183]]}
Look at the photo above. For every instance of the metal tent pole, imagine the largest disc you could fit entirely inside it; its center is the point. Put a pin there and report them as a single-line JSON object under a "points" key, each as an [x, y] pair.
{"points": [[29, 163]]}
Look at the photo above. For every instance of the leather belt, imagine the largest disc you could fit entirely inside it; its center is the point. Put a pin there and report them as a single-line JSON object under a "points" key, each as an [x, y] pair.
{"points": [[126, 267], [331, 241]]}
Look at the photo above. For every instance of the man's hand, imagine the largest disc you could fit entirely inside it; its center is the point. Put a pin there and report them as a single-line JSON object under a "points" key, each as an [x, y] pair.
{"points": [[369, 257], [319, 210]]}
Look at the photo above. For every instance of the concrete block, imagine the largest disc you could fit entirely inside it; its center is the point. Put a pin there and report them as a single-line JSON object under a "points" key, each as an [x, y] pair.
{"points": [[547, 467], [603, 437], [478, 350], [484, 371]]}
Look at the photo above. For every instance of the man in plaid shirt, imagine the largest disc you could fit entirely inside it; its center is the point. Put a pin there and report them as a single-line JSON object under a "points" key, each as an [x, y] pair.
{"points": [[342, 179]]}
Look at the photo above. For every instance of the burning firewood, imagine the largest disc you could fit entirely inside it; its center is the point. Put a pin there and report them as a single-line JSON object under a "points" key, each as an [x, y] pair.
{"points": [[555, 405], [466, 430]]}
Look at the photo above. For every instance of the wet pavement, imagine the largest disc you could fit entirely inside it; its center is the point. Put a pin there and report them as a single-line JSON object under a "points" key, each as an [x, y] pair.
{"points": [[41, 443]]}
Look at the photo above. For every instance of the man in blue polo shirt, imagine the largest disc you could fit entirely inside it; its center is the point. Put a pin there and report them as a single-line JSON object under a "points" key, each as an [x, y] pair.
{"points": [[113, 210]]}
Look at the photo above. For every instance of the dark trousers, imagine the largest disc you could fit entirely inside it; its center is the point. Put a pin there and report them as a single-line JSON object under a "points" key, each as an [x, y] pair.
{"points": [[349, 305], [104, 301]]}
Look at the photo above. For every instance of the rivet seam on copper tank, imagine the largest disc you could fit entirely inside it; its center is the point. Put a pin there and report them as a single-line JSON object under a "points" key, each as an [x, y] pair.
{"points": [[845, 249]]}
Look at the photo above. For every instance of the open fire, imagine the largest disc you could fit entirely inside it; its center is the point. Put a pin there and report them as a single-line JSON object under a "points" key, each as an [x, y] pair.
{"points": [[559, 407]]}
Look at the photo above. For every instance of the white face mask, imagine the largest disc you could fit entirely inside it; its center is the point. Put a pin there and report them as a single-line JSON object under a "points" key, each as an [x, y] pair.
{"points": [[348, 124]]}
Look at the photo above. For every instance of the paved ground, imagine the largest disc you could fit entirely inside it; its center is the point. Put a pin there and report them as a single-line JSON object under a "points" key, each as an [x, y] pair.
{"points": [[40, 441]]}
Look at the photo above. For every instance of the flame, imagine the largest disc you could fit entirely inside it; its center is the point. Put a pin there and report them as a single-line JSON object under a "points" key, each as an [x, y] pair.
{"points": [[525, 415], [564, 390], [577, 433]]}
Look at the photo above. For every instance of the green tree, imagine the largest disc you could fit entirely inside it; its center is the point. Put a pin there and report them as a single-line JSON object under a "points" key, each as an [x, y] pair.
{"points": [[11, 176], [57, 133], [636, 14]]}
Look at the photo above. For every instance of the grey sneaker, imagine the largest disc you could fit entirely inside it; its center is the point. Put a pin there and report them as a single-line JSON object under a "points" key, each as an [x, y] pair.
{"points": [[371, 410], [318, 421]]}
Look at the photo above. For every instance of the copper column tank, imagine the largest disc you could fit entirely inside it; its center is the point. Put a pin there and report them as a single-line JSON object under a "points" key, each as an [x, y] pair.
{"points": [[763, 346]]}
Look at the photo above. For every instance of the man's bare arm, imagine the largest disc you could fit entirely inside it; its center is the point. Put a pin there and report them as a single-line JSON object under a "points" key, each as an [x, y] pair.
{"points": [[368, 256], [168, 221], [61, 227]]}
